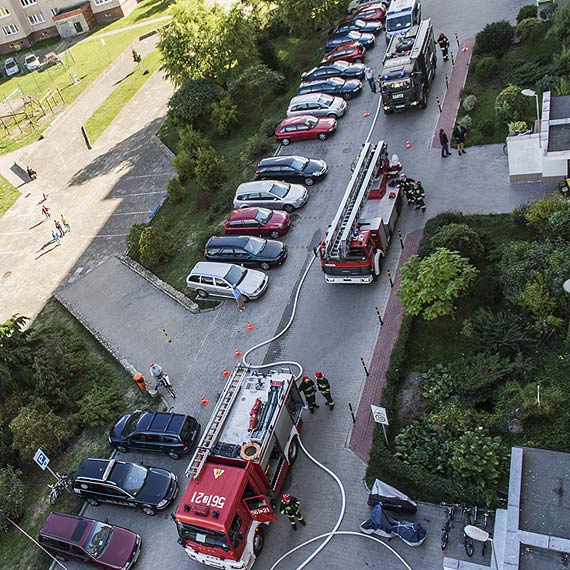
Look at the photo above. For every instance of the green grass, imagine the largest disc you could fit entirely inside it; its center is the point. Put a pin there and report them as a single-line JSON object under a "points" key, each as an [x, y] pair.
{"points": [[145, 10], [118, 99], [8, 195]]}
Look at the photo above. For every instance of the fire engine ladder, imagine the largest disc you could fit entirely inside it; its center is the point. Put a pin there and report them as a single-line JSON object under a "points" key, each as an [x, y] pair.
{"points": [[215, 424], [354, 199]]}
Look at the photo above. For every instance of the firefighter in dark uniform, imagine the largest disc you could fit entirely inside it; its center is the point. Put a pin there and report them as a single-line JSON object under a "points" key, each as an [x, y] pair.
{"points": [[308, 388], [444, 45], [407, 185], [290, 508], [419, 196], [324, 388]]}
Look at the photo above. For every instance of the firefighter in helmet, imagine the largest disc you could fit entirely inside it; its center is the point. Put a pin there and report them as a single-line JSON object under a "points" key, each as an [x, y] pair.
{"points": [[443, 43], [290, 508], [324, 388], [308, 388], [406, 186], [419, 196]]}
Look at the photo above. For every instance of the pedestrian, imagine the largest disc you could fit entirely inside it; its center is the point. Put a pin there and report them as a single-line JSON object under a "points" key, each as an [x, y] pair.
{"points": [[239, 299], [324, 388], [369, 74], [419, 196], [31, 173], [55, 236], [45, 212], [444, 141], [65, 223], [59, 227], [290, 508], [444, 45], [459, 136], [45, 196], [308, 388]]}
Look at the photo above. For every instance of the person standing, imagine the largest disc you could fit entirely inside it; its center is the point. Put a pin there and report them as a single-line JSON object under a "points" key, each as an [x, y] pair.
{"points": [[419, 196], [59, 227], [444, 141], [65, 223], [239, 299], [406, 185], [369, 74], [443, 43], [45, 211], [459, 136], [55, 237], [309, 389], [290, 508], [324, 388]]}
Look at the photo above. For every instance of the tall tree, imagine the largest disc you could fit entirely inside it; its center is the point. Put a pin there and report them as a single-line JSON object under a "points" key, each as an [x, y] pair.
{"points": [[15, 354], [303, 17]]}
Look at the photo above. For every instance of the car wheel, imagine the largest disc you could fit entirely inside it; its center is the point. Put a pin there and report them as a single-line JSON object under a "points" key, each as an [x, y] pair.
{"points": [[122, 448], [258, 540], [285, 142], [274, 235], [265, 266], [358, 60], [423, 100], [309, 181], [288, 208], [201, 293], [347, 96], [93, 502], [293, 452], [244, 298], [148, 510], [173, 455], [322, 136], [332, 116]]}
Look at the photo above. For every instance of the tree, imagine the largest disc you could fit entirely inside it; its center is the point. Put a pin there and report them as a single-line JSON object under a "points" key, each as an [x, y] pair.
{"points": [[12, 496], [156, 246], [510, 104], [257, 84], [204, 42], [210, 169], [529, 29], [494, 39], [540, 211], [15, 354], [527, 11], [561, 25], [304, 17], [191, 102], [133, 241], [461, 238], [430, 286]]}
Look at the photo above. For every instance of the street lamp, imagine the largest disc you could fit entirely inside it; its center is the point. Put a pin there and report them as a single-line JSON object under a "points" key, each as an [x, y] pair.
{"points": [[531, 93], [481, 535]]}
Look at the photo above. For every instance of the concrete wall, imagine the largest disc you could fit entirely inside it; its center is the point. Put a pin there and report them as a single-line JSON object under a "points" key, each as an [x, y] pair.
{"points": [[524, 158], [554, 167]]}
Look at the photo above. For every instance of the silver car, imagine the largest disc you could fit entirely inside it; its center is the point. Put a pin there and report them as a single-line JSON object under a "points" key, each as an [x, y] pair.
{"points": [[318, 105], [220, 279], [271, 194]]}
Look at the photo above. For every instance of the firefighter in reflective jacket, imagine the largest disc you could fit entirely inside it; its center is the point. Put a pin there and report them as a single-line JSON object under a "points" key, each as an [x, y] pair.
{"points": [[290, 508], [419, 196], [324, 388], [406, 185], [308, 388], [444, 45]]}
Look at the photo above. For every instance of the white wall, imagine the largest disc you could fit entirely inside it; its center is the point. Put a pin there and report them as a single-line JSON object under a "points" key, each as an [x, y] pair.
{"points": [[524, 156], [554, 167]]}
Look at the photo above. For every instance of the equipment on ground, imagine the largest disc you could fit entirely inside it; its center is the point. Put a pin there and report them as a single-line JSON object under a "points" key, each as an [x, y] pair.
{"points": [[379, 523], [390, 498]]}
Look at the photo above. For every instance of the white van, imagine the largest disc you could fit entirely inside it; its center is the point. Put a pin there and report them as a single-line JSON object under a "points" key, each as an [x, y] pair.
{"points": [[402, 15]]}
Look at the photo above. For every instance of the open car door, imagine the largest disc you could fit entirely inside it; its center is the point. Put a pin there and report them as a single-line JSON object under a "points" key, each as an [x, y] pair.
{"points": [[260, 509]]}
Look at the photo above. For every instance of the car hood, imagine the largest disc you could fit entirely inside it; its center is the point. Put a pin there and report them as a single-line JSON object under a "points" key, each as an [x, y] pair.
{"points": [[355, 69], [272, 250], [252, 281], [156, 486], [119, 549], [327, 123], [314, 166], [116, 432], [298, 191], [351, 84]]}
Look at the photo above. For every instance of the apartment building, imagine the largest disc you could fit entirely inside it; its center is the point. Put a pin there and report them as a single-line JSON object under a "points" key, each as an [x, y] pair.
{"points": [[24, 22]]}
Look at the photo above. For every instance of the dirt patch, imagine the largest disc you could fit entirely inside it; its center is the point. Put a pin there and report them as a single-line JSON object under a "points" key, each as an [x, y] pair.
{"points": [[412, 404]]}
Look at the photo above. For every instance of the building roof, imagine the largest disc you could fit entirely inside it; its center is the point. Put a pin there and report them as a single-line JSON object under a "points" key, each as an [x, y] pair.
{"points": [[534, 558], [560, 107], [559, 138], [556, 117]]}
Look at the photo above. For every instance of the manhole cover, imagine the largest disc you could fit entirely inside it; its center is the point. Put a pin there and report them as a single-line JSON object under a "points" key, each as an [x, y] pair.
{"points": [[7, 274]]}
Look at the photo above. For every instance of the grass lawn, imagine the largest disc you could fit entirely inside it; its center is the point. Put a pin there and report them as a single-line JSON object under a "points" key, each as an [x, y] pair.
{"points": [[125, 91], [145, 10], [8, 195]]}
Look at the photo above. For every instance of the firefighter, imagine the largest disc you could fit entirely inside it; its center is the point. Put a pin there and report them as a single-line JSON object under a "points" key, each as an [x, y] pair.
{"points": [[419, 196], [308, 388], [324, 388], [444, 45], [406, 185], [290, 508]]}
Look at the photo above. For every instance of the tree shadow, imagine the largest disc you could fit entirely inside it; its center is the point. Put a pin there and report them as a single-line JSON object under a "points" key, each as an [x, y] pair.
{"points": [[121, 80]]}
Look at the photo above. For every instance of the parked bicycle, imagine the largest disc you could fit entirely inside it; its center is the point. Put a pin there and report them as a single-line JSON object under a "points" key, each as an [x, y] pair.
{"points": [[161, 379], [63, 483], [450, 510], [470, 515]]}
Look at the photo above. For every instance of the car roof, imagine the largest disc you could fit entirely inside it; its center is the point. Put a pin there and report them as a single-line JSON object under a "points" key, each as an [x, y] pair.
{"points": [[297, 120], [227, 241], [245, 213], [347, 45], [278, 160], [92, 468], [307, 98], [67, 527], [256, 186], [162, 422], [211, 268], [322, 81]]}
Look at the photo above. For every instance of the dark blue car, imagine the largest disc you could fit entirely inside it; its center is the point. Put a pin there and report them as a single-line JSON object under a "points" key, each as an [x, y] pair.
{"points": [[346, 88], [339, 68], [336, 39], [357, 25]]}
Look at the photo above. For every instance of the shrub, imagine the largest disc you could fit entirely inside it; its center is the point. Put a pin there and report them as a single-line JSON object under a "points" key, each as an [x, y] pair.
{"points": [[510, 104], [519, 215], [487, 68], [561, 26], [433, 225], [224, 116], [254, 148], [522, 72], [7, 454], [100, 405], [469, 103], [191, 102], [529, 29], [210, 169], [558, 225], [487, 128], [454, 418], [13, 496], [461, 238], [517, 127], [548, 83], [257, 84], [156, 246], [133, 241], [191, 140], [267, 126], [527, 11], [474, 374], [494, 39], [437, 385], [184, 163], [540, 210], [466, 121], [176, 190]]}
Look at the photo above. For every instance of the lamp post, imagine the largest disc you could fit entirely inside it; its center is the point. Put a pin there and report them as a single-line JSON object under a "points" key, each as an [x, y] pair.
{"points": [[481, 535], [532, 93]]}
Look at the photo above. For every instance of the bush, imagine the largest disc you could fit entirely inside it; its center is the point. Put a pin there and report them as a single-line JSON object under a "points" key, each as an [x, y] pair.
{"points": [[469, 103], [437, 385], [257, 84], [13, 496], [184, 163], [487, 128], [461, 238], [433, 225], [561, 26], [190, 141], [510, 104], [540, 211], [522, 72], [558, 225], [254, 148], [529, 29], [191, 102], [156, 246], [548, 83], [133, 241], [224, 116], [527, 11], [487, 68], [517, 127], [176, 190], [494, 39], [7, 454], [474, 374], [100, 406], [466, 121], [210, 169]]}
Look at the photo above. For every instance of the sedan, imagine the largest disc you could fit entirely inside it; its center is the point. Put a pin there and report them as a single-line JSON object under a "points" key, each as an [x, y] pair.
{"points": [[366, 26], [346, 88], [246, 250], [304, 127], [258, 222], [350, 52], [336, 39], [291, 168], [271, 194], [356, 5], [335, 69], [372, 12]]}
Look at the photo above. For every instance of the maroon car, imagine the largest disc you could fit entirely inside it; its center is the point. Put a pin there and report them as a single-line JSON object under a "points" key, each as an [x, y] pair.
{"points": [[353, 52], [303, 127], [87, 540], [258, 222], [371, 12]]}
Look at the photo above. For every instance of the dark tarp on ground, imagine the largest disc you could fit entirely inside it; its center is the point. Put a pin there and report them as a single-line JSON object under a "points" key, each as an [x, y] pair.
{"points": [[381, 524]]}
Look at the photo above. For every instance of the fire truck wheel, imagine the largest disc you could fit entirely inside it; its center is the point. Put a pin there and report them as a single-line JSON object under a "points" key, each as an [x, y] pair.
{"points": [[423, 100], [258, 540], [293, 452], [148, 510]]}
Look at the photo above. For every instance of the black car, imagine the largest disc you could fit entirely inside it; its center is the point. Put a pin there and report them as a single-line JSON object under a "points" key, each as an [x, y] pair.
{"points": [[291, 169], [338, 68], [358, 25], [246, 250], [338, 38], [345, 88], [149, 489], [173, 434]]}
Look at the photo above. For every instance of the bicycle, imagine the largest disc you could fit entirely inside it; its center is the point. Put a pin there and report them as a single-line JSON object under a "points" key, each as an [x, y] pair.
{"points": [[470, 515], [63, 483], [517, 134], [450, 509], [164, 380]]}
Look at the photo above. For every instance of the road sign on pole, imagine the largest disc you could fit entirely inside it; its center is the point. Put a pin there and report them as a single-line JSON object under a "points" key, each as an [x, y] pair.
{"points": [[41, 459], [379, 414]]}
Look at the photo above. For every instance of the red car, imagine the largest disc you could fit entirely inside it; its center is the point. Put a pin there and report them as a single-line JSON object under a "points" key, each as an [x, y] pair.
{"points": [[258, 222], [352, 52], [371, 12], [303, 127]]}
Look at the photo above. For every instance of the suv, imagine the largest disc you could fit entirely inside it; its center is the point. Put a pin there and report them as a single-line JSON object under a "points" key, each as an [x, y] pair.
{"points": [[246, 250], [271, 194], [292, 169], [149, 489], [173, 434], [87, 540], [318, 105]]}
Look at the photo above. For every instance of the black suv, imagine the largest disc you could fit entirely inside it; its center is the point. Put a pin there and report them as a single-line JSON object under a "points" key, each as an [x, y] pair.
{"points": [[173, 434], [149, 489], [291, 169], [246, 250]]}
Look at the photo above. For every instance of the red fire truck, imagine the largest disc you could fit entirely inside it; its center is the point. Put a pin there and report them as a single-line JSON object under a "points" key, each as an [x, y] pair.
{"points": [[239, 468], [361, 230]]}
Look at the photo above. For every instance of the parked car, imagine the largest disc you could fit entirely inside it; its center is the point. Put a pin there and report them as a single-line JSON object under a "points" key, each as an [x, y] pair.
{"points": [[345, 88], [272, 194], [162, 432], [292, 169], [304, 127], [246, 250], [11, 67], [357, 5], [318, 105], [106, 546], [358, 25], [350, 52], [149, 489], [220, 279], [376, 11], [258, 222], [49, 59], [31, 62], [337, 39], [335, 69]]}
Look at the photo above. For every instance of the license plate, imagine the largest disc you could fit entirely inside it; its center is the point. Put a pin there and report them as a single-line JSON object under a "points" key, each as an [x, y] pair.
{"points": [[398, 96]]}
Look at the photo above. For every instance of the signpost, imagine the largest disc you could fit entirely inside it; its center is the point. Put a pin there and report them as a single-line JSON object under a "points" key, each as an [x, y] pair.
{"points": [[381, 417], [43, 461]]}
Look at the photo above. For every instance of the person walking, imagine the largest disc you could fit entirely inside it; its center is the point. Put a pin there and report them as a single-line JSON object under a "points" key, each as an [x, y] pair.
{"points": [[369, 74], [31, 173], [290, 508], [459, 136], [59, 227], [239, 299], [45, 211], [309, 389], [419, 196], [444, 141], [324, 388], [65, 223], [443, 43], [55, 237]]}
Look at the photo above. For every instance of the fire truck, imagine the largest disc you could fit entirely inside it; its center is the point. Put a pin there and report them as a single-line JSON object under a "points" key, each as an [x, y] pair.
{"points": [[239, 467], [362, 228]]}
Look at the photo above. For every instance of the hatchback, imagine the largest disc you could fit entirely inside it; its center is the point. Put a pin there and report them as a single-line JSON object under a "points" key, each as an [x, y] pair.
{"points": [[258, 222], [375, 11], [70, 537], [162, 432], [304, 127], [335, 69], [246, 250], [149, 489], [220, 280], [357, 25], [11, 67], [318, 105], [338, 38], [292, 168], [345, 88], [272, 194], [350, 52]]}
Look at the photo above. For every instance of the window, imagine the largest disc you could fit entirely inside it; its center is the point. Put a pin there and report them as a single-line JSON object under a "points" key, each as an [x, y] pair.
{"points": [[4, 11], [235, 535], [37, 18], [10, 29], [99, 2], [54, 11], [25, 3]]}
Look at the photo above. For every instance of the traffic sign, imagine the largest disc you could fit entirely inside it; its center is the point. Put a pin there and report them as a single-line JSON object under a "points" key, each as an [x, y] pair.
{"points": [[379, 414], [41, 459]]}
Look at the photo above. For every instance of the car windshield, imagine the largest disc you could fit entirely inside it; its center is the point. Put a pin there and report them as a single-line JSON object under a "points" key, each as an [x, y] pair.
{"points": [[341, 65], [98, 539], [131, 423], [205, 536], [336, 81], [354, 35], [299, 163], [398, 23], [130, 477], [263, 215], [30, 58], [311, 123], [255, 245], [235, 275], [396, 85], [10, 64], [360, 23], [326, 99], [281, 189]]}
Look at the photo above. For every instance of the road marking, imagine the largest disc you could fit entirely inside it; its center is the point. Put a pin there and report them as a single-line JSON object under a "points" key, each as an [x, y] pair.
{"points": [[106, 236], [148, 175], [122, 214]]}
